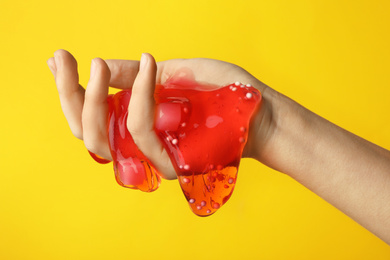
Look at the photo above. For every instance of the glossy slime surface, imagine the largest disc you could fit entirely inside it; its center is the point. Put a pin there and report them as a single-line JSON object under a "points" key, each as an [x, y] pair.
{"points": [[204, 129], [132, 169]]}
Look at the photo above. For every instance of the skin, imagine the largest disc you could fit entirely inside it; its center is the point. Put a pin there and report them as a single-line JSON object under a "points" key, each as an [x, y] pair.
{"points": [[347, 171]]}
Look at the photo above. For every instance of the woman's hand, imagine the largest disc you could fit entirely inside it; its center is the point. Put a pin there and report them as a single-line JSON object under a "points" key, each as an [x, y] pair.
{"points": [[86, 109]]}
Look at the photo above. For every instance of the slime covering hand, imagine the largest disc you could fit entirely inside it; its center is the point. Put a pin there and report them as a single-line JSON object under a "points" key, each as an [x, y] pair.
{"points": [[132, 169], [204, 129]]}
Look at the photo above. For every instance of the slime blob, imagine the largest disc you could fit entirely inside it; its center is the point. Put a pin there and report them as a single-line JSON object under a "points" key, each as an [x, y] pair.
{"points": [[204, 129]]}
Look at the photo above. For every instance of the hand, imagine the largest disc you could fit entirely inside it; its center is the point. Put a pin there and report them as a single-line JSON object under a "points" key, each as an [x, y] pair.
{"points": [[346, 170], [86, 109]]}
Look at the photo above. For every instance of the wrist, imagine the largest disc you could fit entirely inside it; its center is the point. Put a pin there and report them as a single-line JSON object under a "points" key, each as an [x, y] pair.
{"points": [[262, 125], [275, 130]]}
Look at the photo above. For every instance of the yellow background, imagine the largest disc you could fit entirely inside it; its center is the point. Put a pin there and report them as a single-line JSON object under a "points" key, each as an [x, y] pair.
{"points": [[57, 203]]}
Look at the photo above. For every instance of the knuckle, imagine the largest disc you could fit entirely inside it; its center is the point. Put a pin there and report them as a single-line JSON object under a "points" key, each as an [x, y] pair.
{"points": [[137, 91], [136, 132], [170, 176], [91, 142], [92, 146], [77, 133], [135, 127]]}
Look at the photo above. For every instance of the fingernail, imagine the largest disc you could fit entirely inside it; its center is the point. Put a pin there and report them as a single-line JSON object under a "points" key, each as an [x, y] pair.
{"points": [[143, 62], [51, 66], [93, 68]]}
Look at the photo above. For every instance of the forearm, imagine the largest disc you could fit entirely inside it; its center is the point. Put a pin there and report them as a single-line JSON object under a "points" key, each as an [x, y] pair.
{"points": [[349, 172]]}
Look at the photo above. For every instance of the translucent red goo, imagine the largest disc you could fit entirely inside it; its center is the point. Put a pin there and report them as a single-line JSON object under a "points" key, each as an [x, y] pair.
{"points": [[204, 129]]}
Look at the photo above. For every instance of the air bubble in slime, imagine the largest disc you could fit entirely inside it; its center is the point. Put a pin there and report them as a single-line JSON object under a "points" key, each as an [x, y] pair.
{"points": [[204, 129]]}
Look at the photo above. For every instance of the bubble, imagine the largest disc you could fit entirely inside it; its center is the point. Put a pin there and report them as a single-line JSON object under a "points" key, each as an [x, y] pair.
{"points": [[216, 205]]}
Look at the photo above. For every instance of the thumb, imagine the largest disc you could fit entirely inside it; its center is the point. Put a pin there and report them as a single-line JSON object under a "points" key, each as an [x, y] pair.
{"points": [[140, 121]]}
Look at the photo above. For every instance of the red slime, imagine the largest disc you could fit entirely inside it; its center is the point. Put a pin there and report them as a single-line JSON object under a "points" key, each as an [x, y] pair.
{"points": [[99, 159], [204, 129], [132, 169]]}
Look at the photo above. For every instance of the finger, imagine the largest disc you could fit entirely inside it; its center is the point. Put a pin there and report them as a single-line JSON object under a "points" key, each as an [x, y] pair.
{"points": [[140, 121], [70, 92], [94, 115], [123, 73]]}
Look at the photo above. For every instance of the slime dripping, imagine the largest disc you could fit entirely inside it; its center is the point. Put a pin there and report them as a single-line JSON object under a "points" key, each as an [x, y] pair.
{"points": [[204, 130], [203, 127]]}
